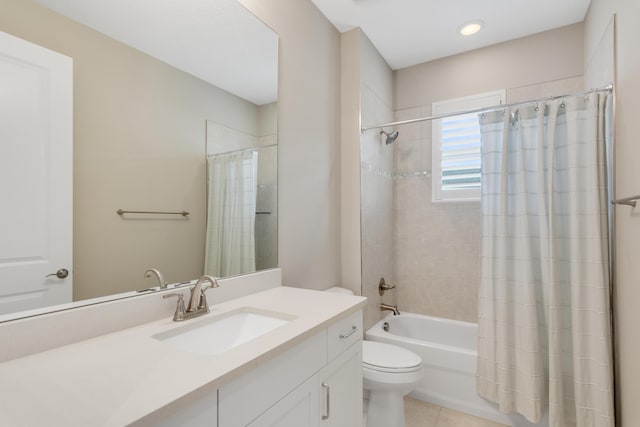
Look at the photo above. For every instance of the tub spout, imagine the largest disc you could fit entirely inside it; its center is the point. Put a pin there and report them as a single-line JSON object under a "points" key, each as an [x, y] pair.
{"points": [[393, 308]]}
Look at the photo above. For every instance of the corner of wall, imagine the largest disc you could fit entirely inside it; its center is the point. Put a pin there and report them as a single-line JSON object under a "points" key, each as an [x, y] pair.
{"points": [[309, 148], [350, 160], [599, 58]]}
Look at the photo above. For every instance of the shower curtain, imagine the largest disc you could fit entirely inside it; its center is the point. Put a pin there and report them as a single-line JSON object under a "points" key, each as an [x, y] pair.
{"points": [[544, 340], [231, 213]]}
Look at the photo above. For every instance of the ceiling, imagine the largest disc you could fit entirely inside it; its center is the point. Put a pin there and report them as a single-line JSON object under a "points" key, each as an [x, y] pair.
{"points": [[218, 41], [410, 32]]}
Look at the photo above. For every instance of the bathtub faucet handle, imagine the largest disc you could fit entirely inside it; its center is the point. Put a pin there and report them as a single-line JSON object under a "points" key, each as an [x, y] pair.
{"points": [[384, 286]]}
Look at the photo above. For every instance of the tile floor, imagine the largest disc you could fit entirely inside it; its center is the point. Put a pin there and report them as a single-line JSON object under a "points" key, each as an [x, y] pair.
{"points": [[424, 414]]}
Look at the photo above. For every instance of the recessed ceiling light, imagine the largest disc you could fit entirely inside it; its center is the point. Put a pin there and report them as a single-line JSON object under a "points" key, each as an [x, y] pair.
{"points": [[470, 28]]}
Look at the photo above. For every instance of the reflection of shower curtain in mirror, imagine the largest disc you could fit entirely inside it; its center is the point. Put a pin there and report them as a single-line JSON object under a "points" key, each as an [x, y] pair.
{"points": [[233, 181]]}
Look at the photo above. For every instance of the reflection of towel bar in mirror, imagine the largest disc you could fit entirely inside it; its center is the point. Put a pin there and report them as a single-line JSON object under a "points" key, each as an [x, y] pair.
{"points": [[263, 213], [121, 212], [631, 201]]}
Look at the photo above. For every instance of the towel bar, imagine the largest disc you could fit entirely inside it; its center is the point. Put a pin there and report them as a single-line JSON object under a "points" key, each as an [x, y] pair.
{"points": [[630, 201], [122, 212]]}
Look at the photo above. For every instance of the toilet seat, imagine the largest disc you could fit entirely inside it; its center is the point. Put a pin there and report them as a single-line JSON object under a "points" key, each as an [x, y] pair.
{"points": [[383, 357]]}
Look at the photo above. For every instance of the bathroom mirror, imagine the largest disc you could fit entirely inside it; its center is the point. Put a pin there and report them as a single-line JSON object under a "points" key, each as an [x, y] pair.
{"points": [[155, 90]]}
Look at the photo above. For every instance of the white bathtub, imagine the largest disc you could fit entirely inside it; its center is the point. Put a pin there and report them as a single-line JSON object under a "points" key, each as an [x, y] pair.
{"points": [[448, 349]]}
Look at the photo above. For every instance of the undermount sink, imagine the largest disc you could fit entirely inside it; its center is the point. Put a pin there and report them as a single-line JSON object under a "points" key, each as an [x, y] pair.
{"points": [[218, 334]]}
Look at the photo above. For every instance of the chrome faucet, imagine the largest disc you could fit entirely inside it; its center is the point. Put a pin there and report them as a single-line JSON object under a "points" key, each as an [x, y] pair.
{"points": [[393, 308], [153, 271], [197, 300]]}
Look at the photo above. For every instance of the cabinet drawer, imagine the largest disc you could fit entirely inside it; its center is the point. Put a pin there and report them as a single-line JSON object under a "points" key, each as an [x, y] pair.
{"points": [[344, 333]]}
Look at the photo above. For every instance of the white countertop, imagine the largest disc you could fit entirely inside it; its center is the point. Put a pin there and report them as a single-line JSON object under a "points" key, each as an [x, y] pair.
{"points": [[119, 378]]}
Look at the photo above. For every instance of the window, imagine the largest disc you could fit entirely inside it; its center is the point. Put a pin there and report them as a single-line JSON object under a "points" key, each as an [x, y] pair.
{"points": [[456, 147]]}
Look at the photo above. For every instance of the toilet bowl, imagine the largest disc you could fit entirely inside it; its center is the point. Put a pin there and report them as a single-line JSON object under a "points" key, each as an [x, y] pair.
{"points": [[389, 372]]}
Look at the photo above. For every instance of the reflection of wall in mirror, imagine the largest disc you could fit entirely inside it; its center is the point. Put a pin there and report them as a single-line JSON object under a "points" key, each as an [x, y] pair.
{"points": [[138, 144], [267, 223]]}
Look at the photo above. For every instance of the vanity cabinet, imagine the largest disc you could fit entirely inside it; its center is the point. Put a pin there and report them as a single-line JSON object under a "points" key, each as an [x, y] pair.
{"points": [[331, 398], [305, 373], [341, 389], [296, 409], [340, 381], [318, 383]]}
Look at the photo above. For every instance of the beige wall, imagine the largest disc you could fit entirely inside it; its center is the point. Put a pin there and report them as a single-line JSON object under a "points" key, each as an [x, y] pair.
{"points": [[139, 129], [599, 67], [437, 245], [308, 142], [544, 57], [627, 181], [350, 104]]}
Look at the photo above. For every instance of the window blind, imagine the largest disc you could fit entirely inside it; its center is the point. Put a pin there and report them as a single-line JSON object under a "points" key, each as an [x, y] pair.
{"points": [[460, 152], [456, 147]]}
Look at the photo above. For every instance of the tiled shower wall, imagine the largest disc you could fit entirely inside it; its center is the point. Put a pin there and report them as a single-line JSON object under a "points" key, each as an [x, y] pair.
{"points": [[437, 245], [376, 207], [376, 180]]}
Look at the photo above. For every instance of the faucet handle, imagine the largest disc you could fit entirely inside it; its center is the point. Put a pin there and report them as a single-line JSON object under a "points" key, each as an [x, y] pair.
{"points": [[203, 298], [180, 310], [384, 286]]}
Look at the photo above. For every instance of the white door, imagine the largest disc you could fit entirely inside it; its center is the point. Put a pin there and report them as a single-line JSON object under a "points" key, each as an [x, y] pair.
{"points": [[36, 161]]}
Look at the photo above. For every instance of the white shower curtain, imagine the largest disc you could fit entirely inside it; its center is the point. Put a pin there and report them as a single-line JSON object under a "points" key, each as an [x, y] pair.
{"points": [[544, 339], [231, 213]]}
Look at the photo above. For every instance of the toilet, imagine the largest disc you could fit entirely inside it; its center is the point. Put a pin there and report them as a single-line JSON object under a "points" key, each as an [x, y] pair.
{"points": [[389, 372]]}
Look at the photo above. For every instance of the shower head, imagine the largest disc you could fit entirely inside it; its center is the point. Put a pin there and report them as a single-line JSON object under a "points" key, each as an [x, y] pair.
{"points": [[390, 137]]}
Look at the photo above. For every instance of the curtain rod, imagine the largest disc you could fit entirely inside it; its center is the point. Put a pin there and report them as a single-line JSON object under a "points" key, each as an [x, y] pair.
{"points": [[607, 88], [242, 149]]}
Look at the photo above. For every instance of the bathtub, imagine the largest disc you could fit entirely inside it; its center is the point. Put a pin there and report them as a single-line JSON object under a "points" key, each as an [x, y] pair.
{"points": [[448, 349]]}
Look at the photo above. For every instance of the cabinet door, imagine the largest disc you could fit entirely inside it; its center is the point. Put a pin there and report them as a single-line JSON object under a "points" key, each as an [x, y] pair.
{"points": [[340, 386], [297, 409], [246, 398]]}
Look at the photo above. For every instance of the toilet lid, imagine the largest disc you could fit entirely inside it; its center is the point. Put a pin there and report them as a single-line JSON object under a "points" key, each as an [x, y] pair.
{"points": [[385, 357]]}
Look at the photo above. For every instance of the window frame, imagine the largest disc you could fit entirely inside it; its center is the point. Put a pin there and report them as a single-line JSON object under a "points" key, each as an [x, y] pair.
{"points": [[472, 102]]}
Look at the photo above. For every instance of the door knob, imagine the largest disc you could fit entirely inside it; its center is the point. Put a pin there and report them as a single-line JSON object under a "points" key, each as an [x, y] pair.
{"points": [[60, 274]]}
